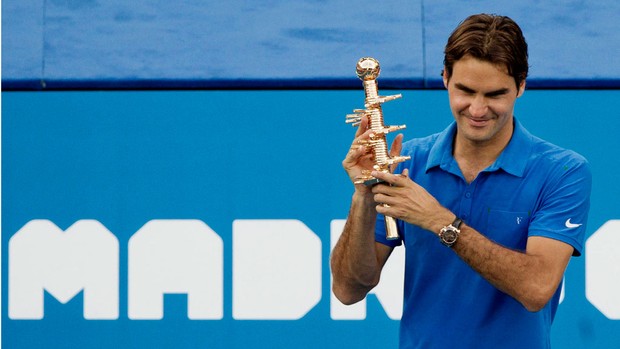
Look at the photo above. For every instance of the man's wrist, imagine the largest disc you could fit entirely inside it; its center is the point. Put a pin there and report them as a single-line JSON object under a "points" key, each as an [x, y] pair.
{"points": [[364, 198], [446, 218]]}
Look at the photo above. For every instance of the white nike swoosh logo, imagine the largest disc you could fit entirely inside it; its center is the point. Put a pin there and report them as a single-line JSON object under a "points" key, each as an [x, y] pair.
{"points": [[570, 225]]}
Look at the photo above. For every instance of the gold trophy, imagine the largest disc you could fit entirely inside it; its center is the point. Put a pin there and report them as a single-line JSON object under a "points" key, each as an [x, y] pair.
{"points": [[367, 70]]}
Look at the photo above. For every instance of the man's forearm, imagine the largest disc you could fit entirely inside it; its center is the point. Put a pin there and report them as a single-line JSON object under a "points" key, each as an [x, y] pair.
{"points": [[354, 263], [529, 276]]}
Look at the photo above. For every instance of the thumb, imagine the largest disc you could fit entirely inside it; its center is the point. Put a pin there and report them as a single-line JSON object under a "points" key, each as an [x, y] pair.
{"points": [[397, 145]]}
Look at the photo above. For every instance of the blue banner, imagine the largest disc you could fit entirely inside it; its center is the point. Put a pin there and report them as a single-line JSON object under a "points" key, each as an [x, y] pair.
{"points": [[186, 219]]}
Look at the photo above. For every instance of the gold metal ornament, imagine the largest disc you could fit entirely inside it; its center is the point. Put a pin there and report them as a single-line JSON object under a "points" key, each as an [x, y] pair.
{"points": [[367, 70]]}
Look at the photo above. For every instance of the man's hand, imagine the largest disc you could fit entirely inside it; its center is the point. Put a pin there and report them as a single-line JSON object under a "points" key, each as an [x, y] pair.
{"points": [[409, 202], [360, 157]]}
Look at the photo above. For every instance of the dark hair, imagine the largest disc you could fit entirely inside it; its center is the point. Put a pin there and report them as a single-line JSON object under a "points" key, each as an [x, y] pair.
{"points": [[491, 38]]}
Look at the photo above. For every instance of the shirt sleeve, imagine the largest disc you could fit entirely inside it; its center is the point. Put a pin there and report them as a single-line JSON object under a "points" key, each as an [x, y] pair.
{"points": [[564, 204]]}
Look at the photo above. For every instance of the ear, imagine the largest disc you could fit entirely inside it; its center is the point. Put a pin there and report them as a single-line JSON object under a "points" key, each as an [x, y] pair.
{"points": [[444, 75], [521, 89]]}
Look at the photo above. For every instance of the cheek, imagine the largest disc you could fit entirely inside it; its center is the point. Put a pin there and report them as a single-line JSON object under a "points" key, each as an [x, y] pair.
{"points": [[458, 102], [502, 107]]}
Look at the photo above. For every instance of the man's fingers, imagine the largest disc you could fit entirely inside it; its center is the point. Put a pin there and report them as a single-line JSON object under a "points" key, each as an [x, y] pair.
{"points": [[397, 180]]}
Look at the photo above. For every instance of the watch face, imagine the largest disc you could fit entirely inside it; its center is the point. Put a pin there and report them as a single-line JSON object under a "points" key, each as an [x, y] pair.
{"points": [[449, 236]]}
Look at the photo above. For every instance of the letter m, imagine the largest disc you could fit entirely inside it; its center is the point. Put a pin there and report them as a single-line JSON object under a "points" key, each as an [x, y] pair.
{"points": [[82, 258]]}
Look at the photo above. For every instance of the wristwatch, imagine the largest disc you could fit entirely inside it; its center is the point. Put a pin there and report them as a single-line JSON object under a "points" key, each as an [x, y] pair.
{"points": [[450, 233]]}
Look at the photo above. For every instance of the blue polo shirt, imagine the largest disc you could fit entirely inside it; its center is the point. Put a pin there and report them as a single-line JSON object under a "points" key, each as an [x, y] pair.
{"points": [[534, 188]]}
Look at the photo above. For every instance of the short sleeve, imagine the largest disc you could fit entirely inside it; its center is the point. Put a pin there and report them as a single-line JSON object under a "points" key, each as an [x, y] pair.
{"points": [[565, 202]]}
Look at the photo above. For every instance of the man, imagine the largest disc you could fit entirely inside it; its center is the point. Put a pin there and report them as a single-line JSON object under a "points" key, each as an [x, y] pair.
{"points": [[489, 214]]}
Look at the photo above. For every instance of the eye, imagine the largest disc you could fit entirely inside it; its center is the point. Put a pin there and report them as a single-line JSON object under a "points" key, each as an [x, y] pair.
{"points": [[464, 89], [497, 94]]}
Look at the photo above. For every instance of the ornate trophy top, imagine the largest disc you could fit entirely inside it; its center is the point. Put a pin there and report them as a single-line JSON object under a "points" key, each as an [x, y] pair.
{"points": [[367, 68]]}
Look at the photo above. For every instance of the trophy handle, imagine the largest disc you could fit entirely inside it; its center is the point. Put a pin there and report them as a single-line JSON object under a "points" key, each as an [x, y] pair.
{"points": [[391, 229]]}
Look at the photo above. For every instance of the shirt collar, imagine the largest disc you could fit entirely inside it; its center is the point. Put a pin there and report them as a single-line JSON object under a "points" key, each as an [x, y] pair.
{"points": [[441, 152], [513, 158]]}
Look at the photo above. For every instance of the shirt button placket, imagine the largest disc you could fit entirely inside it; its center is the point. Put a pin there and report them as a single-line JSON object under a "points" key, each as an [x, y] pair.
{"points": [[466, 201]]}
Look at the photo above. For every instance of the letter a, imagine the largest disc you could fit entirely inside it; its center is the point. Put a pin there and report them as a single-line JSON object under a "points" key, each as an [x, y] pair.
{"points": [[175, 256]]}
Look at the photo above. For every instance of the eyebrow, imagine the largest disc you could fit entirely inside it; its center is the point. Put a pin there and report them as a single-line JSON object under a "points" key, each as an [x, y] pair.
{"points": [[467, 89]]}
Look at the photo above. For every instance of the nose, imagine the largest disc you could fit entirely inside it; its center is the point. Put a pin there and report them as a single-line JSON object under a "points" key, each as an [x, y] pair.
{"points": [[478, 107]]}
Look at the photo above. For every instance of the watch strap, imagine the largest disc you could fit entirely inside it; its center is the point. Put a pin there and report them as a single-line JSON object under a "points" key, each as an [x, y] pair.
{"points": [[457, 223]]}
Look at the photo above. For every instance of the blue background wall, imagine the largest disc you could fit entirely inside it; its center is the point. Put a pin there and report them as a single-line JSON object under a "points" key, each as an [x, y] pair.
{"points": [[195, 43], [127, 157]]}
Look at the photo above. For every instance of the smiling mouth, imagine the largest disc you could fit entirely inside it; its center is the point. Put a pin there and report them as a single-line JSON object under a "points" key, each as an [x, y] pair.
{"points": [[477, 122]]}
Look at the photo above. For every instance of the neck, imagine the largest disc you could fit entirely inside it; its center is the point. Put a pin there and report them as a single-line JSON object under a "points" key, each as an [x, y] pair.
{"points": [[475, 156]]}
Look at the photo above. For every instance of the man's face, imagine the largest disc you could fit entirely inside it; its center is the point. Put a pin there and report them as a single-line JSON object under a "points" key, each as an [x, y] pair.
{"points": [[482, 98]]}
